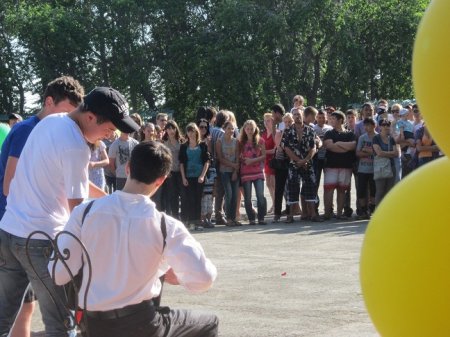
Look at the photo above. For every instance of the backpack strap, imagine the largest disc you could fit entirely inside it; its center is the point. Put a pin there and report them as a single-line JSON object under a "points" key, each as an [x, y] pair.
{"points": [[163, 229], [86, 211]]}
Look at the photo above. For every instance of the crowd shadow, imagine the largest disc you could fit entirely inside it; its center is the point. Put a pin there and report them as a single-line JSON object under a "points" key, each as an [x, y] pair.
{"points": [[333, 226]]}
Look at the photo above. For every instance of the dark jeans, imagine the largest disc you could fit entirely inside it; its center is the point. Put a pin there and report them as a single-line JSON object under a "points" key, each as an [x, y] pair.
{"points": [[15, 274], [192, 201], [280, 184], [366, 185], [146, 323], [110, 184], [171, 194], [219, 196]]}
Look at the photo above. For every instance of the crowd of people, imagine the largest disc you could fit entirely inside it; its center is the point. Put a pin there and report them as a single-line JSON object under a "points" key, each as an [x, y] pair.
{"points": [[198, 176], [217, 164]]}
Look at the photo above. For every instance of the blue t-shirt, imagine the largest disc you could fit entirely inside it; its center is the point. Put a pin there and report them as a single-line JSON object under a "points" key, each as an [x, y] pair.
{"points": [[194, 164], [12, 147]]}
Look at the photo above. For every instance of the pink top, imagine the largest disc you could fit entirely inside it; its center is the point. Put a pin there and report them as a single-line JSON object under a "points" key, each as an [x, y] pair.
{"points": [[254, 171]]}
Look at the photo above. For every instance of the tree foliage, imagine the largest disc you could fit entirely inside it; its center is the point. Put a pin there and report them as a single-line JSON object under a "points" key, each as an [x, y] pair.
{"points": [[242, 55]]}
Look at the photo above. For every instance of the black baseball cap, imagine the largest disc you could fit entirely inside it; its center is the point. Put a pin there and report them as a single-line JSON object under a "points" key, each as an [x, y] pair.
{"points": [[111, 104]]}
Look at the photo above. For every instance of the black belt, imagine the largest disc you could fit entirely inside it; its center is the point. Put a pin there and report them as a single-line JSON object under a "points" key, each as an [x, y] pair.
{"points": [[122, 312]]}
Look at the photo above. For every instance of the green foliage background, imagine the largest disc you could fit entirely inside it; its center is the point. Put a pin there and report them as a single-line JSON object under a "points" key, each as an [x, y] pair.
{"points": [[242, 55]]}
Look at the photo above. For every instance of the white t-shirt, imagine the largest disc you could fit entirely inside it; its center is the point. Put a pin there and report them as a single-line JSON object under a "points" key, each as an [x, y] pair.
{"points": [[122, 234], [52, 168]]}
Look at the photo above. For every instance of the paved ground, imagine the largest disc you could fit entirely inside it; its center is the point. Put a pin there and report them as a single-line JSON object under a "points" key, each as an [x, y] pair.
{"points": [[281, 280]]}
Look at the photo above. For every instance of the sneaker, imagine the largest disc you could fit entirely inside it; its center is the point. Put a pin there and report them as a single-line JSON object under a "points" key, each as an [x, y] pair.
{"points": [[276, 218], [252, 223], [198, 228], [262, 222]]}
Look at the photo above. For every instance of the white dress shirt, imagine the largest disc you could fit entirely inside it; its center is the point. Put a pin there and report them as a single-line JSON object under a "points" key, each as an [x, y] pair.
{"points": [[122, 235]]}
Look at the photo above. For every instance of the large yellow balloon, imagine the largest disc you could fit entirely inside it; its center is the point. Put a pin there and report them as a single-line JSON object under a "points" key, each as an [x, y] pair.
{"points": [[405, 260], [431, 70]]}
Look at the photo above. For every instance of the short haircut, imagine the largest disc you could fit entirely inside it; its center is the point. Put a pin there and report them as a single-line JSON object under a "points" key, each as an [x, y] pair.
{"points": [[351, 112], [221, 117], [279, 108], [137, 118], [211, 112], [310, 111], [149, 161], [339, 115], [369, 121], [65, 87], [161, 115]]}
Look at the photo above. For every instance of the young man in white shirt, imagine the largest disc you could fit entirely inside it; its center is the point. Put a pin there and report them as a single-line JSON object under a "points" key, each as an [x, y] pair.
{"points": [[128, 251], [51, 178]]}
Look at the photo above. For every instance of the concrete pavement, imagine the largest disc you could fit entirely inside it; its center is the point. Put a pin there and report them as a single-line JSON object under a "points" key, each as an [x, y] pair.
{"points": [[281, 280]]}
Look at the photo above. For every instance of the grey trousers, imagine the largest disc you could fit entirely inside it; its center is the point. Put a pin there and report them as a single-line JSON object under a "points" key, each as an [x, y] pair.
{"points": [[163, 323]]}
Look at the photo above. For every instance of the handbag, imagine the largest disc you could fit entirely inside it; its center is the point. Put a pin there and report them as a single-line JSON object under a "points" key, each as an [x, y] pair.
{"points": [[277, 164], [382, 168]]}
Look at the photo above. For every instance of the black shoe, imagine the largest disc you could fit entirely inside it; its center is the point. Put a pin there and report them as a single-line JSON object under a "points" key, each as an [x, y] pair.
{"points": [[348, 211], [262, 222]]}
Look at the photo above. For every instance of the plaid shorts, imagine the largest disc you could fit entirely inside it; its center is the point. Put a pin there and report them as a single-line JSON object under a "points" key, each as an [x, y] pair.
{"points": [[207, 204], [304, 177]]}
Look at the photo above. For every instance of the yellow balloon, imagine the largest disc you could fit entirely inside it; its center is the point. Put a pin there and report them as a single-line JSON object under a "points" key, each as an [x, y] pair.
{"points": [[431, 70], [405, 259]]}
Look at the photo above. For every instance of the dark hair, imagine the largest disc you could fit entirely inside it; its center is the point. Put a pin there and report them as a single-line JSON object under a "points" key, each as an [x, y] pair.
{"points": [[369, 121], [339, 115], [172, 124], [211, 112], [65, 87], [221, 117], [149, 161], [205, 121], [100, 118], [351, 112], [279, 108]]}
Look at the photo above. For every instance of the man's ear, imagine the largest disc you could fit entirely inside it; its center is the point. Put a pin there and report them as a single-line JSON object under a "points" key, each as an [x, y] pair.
{"points": [[160, 181], [49, 101]]}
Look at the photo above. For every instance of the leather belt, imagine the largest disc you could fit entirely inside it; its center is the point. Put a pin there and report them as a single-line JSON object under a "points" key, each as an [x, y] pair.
{"points": [[122, 312]]}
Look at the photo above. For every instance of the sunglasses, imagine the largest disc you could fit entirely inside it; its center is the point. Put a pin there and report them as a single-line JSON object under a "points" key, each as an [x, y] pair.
{"points": [[385, 124], [395, 111]]}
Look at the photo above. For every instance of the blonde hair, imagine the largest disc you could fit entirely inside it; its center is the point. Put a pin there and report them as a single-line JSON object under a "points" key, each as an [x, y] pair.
{"points": [[288, 116], [243, 136], [267, 115]]}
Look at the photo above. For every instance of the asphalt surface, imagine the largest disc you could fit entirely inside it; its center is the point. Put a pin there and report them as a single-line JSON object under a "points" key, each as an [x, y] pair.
{"points": [[280, 280]]}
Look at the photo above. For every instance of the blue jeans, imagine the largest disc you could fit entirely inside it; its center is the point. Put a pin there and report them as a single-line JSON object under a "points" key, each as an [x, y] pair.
{"points": [[15, 274], [231, 189], [260, 199]]}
